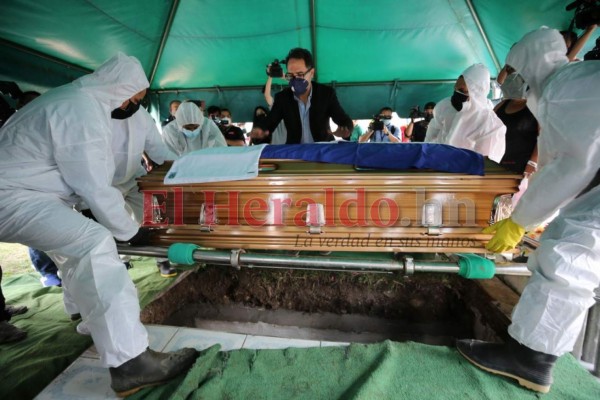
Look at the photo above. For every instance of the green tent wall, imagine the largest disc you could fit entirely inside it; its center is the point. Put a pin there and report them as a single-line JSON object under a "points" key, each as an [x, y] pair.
{"points": [[382, 52]]}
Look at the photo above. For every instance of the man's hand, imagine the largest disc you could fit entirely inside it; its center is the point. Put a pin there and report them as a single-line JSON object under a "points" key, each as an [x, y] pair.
{"points": [[507, 234], [257, 133], [343, 132]]}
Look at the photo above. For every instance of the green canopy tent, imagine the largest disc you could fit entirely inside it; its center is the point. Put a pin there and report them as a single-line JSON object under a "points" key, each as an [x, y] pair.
{"points": [[383, 52]]}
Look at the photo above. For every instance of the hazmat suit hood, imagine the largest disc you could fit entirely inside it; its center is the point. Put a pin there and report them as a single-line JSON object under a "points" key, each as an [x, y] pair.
{"points": [[536, 57], [476, 126], [115, 81], [477, 78], [188, 113]]}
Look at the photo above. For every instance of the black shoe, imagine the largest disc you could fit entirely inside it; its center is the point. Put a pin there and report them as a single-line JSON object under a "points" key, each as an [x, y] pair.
{"points": [[15, 310], [75, 317], [10, 333], [150, 368], [166, 270], [531, 368]]}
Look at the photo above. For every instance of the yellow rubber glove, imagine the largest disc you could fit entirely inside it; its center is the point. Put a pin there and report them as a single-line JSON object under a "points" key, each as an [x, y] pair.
{"points": [[507, 234]]}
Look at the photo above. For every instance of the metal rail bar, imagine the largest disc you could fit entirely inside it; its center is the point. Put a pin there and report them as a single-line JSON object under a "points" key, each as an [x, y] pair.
{"points": [[239, 259]]}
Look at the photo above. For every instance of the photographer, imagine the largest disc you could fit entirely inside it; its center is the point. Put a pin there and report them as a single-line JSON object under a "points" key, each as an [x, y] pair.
{"points": [[416, 131], [234, 136], [381, 129], [305, 106]]}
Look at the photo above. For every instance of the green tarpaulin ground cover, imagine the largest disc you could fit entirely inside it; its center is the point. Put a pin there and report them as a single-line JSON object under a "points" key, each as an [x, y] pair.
{"points": [[388, 370], [52, 343]]}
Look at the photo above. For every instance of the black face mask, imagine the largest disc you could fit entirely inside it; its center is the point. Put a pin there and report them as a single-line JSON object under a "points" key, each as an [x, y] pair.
{"points": [[458, 99], [119, 113]]}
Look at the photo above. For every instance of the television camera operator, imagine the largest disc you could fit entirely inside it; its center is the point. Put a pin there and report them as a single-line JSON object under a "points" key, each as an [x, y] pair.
{"points": [[416, 131]]}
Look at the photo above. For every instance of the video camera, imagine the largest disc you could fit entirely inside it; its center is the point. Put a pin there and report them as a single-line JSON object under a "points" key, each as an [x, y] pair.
{"points": [[376, 124], [276, 71], [587, 12], [416, 112]]}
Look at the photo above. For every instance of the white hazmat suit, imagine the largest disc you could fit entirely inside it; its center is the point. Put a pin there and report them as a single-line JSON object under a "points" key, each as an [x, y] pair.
{"points": [[566, 267], [131, 137], [55, 153], [188, 113], [476, 126]]}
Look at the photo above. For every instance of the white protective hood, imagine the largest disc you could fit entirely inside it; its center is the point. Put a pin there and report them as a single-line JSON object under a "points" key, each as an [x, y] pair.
{"points": [[536, 57], [567, 97], [189, 113], [61, 142], [476, 127]]}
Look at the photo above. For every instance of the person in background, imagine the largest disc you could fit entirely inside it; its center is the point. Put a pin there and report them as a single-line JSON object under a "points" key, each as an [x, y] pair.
{"points": [[575, 44], [234, 136], [304, 106], [548, 318], [382, 131], [466, 119], [55, 153], [356, 132], [521, 126], [416, 131], [191, 131], [173, 106]]}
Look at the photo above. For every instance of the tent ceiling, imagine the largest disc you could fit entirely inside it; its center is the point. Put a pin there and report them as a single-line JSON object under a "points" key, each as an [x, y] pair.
{"points": [[192, 44]]}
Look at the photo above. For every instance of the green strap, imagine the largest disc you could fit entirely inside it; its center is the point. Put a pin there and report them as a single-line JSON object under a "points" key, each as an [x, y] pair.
{"points": [[182, 253], [473, 266]]}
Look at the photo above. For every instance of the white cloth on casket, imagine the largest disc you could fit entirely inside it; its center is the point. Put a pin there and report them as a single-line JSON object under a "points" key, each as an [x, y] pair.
{"points": [[189, 113], [566, 266], [54, 153], [217, 164], [476, 127]]}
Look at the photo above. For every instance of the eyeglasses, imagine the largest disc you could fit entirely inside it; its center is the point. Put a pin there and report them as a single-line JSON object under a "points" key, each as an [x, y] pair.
{"points": [[289, 76]]}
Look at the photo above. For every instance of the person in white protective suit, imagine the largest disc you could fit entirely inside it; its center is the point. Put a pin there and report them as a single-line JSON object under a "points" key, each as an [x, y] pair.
{"points": [[467, 119], [566, 266], [55, 153], [191, 131], [131, 138]]}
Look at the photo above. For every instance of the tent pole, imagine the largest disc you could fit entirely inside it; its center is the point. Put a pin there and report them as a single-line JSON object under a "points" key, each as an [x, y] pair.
{"points": [[36, 53], [163, 39], [483, 35], [313, 34]]}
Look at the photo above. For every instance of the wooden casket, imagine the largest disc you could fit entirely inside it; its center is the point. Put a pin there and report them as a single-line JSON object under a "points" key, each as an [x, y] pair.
{"points": [[310, 206]]}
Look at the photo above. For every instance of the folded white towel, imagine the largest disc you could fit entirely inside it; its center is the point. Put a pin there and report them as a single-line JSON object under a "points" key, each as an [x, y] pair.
{"points": [[216, 164]]}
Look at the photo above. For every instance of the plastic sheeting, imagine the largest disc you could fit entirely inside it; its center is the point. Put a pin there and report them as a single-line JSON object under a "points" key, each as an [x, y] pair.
{"points": [[376, 53]]}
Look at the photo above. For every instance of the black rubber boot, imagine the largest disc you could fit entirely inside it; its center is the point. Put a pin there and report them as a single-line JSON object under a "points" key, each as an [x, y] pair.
{"points": [[531, 368], [150, 368], [10, 333]]}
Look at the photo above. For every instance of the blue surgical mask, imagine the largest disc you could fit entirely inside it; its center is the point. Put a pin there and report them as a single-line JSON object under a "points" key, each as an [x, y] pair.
{"points": [[299, 86], [387, 121], [191, 134]]}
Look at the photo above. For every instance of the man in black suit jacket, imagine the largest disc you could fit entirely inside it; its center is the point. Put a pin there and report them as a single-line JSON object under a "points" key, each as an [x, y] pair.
{"points": [[305, 106]]}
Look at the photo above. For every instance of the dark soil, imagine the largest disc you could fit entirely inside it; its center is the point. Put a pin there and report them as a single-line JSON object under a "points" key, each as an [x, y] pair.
{"points": [[420, 298]]}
